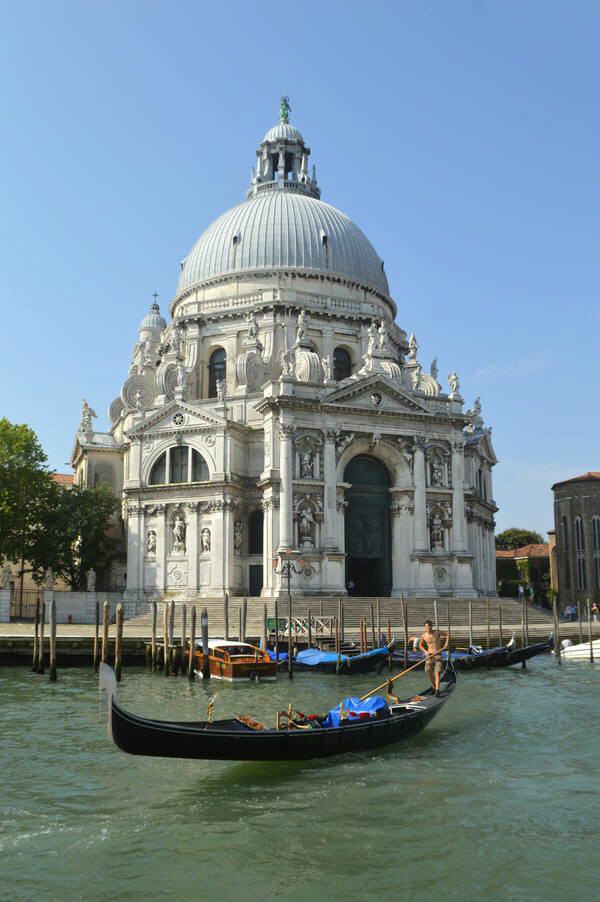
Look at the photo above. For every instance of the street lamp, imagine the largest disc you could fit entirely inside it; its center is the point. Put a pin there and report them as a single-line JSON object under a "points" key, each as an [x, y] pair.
{"points": [[288, 566]]}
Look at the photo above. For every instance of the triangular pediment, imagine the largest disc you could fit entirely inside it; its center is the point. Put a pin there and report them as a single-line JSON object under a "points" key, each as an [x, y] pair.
{"points": [[483, 442], [362, 393], [177, 415]]}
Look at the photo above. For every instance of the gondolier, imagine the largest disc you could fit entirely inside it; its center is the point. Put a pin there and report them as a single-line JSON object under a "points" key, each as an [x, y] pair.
{"points": [[430, 644]]}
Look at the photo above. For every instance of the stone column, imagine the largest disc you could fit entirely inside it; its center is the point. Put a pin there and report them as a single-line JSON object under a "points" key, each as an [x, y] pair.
{"points": [[134, 540], [286, 457], [459, 524], [162, 547], [421, 536], [192, 542], [329, 542], [402, 544]]}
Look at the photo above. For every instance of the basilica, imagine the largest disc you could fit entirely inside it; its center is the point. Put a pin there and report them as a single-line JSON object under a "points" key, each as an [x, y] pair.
{"points": [[283, 411]]}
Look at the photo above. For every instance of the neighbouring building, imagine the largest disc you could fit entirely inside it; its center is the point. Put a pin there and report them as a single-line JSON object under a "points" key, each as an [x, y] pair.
{"points": [[283, 409], [577, 538], [528, 566]]}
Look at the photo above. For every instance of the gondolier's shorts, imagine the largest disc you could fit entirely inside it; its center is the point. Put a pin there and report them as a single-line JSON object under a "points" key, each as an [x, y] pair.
{"points": [[433, 665]]}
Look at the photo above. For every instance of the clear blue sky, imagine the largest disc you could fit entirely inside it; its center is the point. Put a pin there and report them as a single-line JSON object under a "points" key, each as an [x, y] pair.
{"points": [[461, 137]]}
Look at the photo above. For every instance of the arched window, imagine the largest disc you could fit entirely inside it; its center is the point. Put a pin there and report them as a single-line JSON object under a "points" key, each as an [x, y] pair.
{"points": [[217, 369], [596, 547], [565, 548], [255, 532], [342, 364], [179, 464], [580, 553]]}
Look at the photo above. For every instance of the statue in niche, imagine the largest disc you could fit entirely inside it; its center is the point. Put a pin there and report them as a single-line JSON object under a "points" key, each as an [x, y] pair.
{"points": [[49, 579], [326, 364], [306, 465], [237, 536], [413, 347], [179, 534], [343, 440], [301, 327], [205, 539], [382, 336], [305, 525], [288, 363], [181, 377], [148, 356], [252, 326], [437, 532], [373, 339], [87, 415], [453, 383], [90, 579], [151, 542], [437, 473], [434, 368], [220, 386]]}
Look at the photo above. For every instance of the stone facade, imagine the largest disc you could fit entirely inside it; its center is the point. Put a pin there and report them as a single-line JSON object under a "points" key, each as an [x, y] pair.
{"points": [[282, 374], [577, 537]]}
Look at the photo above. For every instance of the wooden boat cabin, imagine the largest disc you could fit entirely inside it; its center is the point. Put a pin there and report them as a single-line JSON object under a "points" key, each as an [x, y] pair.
{"points": [[233, 661]]}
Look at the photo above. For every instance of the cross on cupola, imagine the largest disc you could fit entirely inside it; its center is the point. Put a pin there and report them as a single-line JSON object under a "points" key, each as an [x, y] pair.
{"points": [[282, 159]]}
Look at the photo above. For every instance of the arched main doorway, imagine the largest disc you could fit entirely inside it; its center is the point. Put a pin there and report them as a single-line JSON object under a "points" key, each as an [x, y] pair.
{"points": [[367, 527]]}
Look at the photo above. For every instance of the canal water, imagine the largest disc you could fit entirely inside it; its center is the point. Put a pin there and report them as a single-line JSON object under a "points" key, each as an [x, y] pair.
{"points": [[499, 799]]}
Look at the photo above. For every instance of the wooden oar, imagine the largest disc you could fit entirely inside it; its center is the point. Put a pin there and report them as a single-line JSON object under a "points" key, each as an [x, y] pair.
{"points": [[398, 675]]}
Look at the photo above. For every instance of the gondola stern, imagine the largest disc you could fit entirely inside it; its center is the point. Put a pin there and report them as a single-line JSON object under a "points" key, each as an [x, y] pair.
{"points": [[108, 684]]}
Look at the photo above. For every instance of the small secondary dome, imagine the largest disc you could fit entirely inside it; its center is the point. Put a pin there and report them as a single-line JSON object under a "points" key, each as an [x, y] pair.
{"points": [[153, 319]]}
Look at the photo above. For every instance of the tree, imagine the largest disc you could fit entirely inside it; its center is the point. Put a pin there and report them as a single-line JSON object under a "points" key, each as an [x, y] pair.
{"points": [[74, 534], [517, 538], [26, 487]]}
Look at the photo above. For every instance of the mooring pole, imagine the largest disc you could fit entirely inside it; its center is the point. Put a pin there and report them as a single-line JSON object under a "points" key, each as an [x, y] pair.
{"points": [[290, 647], [276, 631], [580, 623], [244, 618], [40, 667], [590, 631], [435, 614], [166, 638], [265, 631], [309, 630], [190, 666], [53, 641], [500, 636], [153, 640], [96, 651], [470, 624], [119, 643], [240, 625], [105, 627], [36, 640], [405, 618], [557, 647], [226, 615], [378, 621], [489, 625], [205, 648], [183, 636], [373, 627]]}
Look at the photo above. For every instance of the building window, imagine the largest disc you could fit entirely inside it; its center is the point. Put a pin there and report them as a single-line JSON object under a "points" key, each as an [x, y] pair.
{"points": [[217, 368], [342, 364], [255, 532], [596, 544], [565, 548], [580, 553], [177, 465]]}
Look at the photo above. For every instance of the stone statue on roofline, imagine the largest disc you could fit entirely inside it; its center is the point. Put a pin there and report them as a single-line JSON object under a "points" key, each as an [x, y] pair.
{"points": [[87, 415], [454, 385], [284, 109]]}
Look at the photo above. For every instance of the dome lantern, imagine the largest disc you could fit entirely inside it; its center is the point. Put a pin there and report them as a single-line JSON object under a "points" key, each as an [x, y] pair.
{"points": [[282, 159]]}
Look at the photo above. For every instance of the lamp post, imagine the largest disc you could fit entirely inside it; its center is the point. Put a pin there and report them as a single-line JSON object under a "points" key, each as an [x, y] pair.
{"points": [[288, 566]]}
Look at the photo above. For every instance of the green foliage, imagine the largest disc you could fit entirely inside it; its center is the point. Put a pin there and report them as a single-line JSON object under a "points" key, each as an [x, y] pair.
{"points": [[516, 538], [26, 486], [508, 588], [74, 536], [524, 568]]}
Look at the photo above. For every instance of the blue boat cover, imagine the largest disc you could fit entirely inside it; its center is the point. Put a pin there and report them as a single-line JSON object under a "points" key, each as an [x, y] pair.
{"points": [[351, 709], [283, 655], [312, 656]]}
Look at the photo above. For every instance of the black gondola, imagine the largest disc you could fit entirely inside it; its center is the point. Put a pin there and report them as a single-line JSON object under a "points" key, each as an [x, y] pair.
{"points": [[241, 739], [518, 655], [483, 659]]}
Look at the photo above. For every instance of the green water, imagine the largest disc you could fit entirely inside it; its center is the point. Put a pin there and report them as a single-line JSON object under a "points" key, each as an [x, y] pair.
{"points": [[498, 799]]}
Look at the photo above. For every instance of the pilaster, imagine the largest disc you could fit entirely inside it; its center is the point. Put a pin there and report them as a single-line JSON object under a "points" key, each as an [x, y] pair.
{"points": [[421, 536]]}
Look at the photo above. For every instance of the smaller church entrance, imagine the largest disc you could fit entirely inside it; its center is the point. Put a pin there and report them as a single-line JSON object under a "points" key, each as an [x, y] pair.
{"points": [[255, 579], [367, 528]]}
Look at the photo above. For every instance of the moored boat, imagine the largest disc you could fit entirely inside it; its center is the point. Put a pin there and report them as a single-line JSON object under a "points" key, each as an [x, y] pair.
{"points": [[474, 658], [316, 661], [235, 661], [579, 652], [347, 728]]}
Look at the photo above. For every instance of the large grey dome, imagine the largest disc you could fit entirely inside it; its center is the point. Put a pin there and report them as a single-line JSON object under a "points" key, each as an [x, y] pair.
{"points": [[281, 229]]}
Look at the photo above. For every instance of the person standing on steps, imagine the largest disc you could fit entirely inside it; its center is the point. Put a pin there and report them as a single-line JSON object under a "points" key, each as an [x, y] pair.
{"points": [[430, 644]]}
